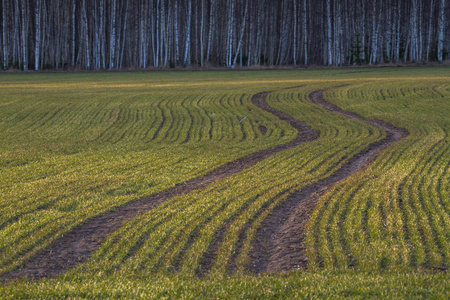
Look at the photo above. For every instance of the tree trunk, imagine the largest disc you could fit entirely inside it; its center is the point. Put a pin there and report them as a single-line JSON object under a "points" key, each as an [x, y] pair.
{"points": [[388, 31], [242, 33], [124, 34], [24, 35], [177, 46], [157, 39], [329, 34], [230, 34], [375, 27], [112, 36], [188, 31], [305, 32], [440, 50], [363, 38], [74, 6], [38, 35], [4, 31], [430, 29], [211, 26], [86, 36], [201, 31]]}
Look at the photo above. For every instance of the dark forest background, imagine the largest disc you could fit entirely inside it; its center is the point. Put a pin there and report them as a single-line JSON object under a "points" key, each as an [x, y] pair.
{"points": [[117, 34]]}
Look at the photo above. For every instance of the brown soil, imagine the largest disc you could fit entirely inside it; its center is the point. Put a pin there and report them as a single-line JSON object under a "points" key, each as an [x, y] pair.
{"points": [[262, 129], [76, 246], [305, 134], [278, 244]]}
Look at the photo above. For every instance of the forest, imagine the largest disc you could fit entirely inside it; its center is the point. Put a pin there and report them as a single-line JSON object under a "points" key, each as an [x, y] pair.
{"points": [[140, 34]]}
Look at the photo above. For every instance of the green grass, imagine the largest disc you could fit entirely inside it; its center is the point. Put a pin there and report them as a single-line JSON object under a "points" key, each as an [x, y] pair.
{"points": [[397, 213], [322, 285], [76, 145]]}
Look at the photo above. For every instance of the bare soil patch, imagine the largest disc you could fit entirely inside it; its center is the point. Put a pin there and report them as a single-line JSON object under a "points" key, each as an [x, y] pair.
{"points": [[278, 244], [262, 129]]}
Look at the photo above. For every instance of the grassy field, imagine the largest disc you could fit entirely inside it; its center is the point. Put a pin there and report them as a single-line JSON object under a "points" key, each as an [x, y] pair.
{"points": [[74, 146]]}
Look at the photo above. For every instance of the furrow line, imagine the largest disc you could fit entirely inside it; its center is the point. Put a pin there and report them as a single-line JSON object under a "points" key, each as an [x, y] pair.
{"points": [[77, 245], [278, 244]]}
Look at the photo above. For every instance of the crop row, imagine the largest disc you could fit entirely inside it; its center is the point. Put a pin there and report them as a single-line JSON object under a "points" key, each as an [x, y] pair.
{"points": [[68, 157], [177, 236], [397, 213]]}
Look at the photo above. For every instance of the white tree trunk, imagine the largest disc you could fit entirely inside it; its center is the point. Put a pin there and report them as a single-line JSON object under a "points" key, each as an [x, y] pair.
{"points": [[97, 50], [74, 6], [38, 35], [188, 34], [329, 34], [168, 54], [374, 53], [177, 45], [420, 33], [102, 35], [142, 38], [430, 29], [413, 26], [230, 34], [294, 44], [397, 40], [242, 34], [202, 23], [112, 39], [5, 44], [305, 32], [86, 36], [441, 31], [211, 26], [156, 62], [124, 35], [388, 31], [24, 36], [163, 32], [363, 34]]}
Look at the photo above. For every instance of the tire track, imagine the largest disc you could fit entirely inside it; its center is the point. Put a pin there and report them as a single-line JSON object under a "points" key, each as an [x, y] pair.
{"points": [[305, 134], [76, 246], [278, 244]]}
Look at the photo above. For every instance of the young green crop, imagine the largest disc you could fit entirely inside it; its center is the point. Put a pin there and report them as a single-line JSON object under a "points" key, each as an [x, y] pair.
{"points": [[69, 154], [398, 218], [76, 145]]}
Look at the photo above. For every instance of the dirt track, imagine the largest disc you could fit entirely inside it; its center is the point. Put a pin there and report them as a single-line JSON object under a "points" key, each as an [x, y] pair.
{"points": [[77, 245], [278, 245], [276, 232]]}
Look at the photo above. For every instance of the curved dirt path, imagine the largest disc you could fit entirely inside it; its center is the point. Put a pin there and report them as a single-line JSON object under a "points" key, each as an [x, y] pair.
{"points": [[278, 244], [76, 246]]}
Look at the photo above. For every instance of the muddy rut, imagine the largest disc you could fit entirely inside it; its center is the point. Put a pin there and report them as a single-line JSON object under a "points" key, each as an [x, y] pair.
{"points": [[278, 244], [76, 246]]}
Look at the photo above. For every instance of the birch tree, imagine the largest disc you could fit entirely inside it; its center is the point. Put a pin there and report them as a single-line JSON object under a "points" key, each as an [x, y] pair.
{"points": [[430, 29], [329, 34], [440, 50], [238, 49], [4, 35], [113, 34], [38, 35], [188, 32], [375, 28], [112, 39]]}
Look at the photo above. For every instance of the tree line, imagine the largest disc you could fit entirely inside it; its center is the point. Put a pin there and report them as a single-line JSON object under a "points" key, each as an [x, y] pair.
{"points": [[116, 34]]}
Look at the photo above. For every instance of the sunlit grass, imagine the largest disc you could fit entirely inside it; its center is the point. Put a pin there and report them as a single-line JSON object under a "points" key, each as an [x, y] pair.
{"points": [[398, 217], [76, 145]]}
